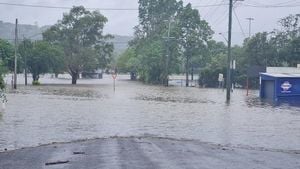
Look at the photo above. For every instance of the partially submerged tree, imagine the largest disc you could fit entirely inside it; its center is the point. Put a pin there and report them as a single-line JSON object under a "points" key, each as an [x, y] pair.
{"points": [[166, 31], [194, 34], [41, 56], [80, 33]]}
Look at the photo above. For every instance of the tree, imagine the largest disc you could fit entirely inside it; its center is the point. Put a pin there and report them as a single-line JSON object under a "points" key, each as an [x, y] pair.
{"points": [[258, 50], [125, 61], [7, 55], [166, 31], [40, 57], [194, 34], [286, 41], [6, 60], [291, 26], [151, 45], [80, 33], [213, 63]]}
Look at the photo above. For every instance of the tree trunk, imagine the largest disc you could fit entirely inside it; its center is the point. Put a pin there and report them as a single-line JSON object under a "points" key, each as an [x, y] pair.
{"points": [[35, 77], [74, 78], [192, 73], [187, 72]]}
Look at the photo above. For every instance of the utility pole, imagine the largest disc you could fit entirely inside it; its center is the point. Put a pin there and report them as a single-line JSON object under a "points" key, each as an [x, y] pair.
{"points": [[168, 56], [187, 70], [250, 20], [229, 61], [247, 83], [16, 53], [228, 82], [166, 75], [25, 60]]}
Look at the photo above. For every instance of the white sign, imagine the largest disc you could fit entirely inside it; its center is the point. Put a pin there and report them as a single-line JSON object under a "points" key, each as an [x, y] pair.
{"points": [[221, 77], [286, 87]]}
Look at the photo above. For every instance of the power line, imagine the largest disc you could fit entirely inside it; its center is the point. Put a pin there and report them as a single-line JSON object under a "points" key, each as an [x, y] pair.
{"points": [[11, 39], [287, 2], [211, 5], [64, 7], [208, 11], [136, 9], [214, 11], [255, 2], [271, 6], [276, 4], [108, 9], [239, 23], [221, 19]]}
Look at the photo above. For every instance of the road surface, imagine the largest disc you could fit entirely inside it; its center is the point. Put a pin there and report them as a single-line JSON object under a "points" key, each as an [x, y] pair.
{"points": [[147, 152]]}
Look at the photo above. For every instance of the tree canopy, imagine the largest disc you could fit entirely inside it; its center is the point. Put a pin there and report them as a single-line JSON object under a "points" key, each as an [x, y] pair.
{"points": [[80, 33], [168, 35]]}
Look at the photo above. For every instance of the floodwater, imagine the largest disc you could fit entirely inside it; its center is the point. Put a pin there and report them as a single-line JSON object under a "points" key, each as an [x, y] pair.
{"points": [[59, 112]]}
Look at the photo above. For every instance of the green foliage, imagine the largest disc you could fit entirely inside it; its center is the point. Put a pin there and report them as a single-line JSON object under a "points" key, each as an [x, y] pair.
{"points": [[191, 44], [36, 83], [152, 54], [6, 60], [150, 64], [257, 50], [6, 55], [40, 57], [215, 63], [127, 61], [277, 48], [80, 34], [2, 83]]}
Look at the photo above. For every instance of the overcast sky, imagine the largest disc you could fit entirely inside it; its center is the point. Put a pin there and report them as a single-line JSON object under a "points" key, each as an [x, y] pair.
{"points": [[122, 22]]}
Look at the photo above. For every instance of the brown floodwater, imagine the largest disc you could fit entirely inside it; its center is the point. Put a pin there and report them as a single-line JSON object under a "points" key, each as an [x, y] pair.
{"points": [[59, 112]]}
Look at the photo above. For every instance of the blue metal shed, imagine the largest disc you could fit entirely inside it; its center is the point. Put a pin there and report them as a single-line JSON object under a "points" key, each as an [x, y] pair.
{"points": [[278, 86]]}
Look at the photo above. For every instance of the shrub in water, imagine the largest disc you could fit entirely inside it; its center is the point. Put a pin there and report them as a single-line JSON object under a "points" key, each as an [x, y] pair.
{"points": [[36, 83]]}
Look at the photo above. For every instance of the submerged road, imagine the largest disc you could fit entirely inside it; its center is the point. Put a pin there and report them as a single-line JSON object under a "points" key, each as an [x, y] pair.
{"points": [[146, 152], [144, 126]]}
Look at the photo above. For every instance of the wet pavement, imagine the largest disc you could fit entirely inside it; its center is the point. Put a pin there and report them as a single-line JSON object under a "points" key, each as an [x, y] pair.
{"points": [[61, 112], [146, 152]]}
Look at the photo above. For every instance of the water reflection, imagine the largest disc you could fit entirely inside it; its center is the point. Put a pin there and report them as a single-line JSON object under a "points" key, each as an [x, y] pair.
{"points": [[58, 113]]}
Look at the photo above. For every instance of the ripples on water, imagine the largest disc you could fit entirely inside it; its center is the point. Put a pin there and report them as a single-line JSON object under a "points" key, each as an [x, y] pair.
{"points": [[62, 112]]}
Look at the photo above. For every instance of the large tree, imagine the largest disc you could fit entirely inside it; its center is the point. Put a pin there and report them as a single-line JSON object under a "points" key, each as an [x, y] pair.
{"points": [[166, 31], [41, 57], [156, 55], [80, 33], [194, 34]]}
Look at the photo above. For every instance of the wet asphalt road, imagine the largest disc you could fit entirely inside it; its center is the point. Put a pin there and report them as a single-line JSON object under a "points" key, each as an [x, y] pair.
{"points": [[147, 152]]}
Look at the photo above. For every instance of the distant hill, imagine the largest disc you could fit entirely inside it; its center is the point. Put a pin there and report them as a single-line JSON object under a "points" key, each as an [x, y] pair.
{"points": [[34, 32]]}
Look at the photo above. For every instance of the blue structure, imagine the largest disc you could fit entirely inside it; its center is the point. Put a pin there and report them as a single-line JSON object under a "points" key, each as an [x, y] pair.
{"points": [[279, 86]]}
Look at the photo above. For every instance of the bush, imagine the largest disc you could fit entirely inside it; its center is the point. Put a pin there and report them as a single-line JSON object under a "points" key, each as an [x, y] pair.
{"points": [[36, 83], [2, 83]]}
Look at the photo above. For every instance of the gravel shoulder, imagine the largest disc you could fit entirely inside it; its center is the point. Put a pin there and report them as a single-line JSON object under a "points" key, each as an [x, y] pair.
{"points": [[146, 152]]}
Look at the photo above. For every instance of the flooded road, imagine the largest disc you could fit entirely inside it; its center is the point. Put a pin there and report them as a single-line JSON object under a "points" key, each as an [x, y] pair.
{"points": [[60, 113]]}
